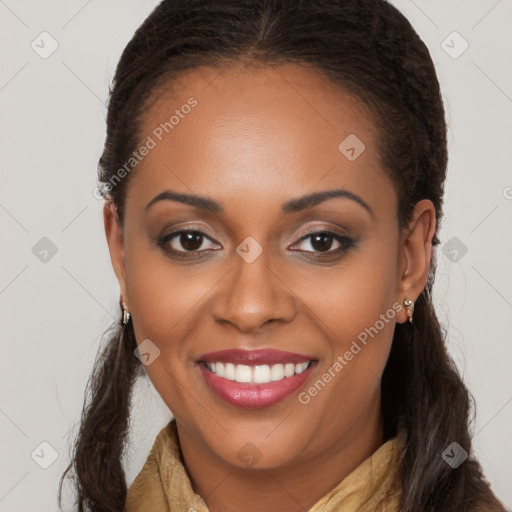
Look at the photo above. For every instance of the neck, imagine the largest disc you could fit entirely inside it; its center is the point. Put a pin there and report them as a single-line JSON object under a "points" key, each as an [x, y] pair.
{"points": [[226, 488]]}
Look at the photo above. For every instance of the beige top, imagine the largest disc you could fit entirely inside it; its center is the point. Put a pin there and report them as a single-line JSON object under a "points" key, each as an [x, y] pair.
{"points": [[164, 486]]}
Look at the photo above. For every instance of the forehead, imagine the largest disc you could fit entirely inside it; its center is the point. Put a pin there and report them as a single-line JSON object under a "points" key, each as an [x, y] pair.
{"points": [[269, 132]]}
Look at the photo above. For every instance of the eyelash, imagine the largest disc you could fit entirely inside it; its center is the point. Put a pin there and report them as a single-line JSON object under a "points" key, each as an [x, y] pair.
{"points": [[345, 244]]}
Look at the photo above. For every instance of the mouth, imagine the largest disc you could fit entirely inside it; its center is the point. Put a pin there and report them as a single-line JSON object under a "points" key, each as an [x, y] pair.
{"points": [[254, 379], [260, 374]]}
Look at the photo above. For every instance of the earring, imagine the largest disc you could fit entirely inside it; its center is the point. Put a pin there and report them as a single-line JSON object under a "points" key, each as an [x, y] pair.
{"points": [[126, 315], [409, 304]]}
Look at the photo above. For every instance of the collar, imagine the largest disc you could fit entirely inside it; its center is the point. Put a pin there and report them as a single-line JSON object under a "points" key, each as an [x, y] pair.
{"points": [[163, 484]]}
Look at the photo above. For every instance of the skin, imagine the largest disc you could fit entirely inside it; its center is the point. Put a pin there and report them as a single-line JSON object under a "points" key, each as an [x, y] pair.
{"points": [[258, 137]]}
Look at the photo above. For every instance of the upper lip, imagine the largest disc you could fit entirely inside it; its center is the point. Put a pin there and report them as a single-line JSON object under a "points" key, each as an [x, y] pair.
{"points": [[254, 357]]}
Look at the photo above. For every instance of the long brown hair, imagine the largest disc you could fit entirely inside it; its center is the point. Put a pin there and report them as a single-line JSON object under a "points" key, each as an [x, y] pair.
{"points": [[372, 51]]}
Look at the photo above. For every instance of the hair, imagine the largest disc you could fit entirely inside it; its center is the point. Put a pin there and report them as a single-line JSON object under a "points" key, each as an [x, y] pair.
{"points": [[370, 50]]}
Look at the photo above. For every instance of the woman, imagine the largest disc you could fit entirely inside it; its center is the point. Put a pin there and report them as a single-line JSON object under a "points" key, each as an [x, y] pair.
{"points": [[273, 178]]}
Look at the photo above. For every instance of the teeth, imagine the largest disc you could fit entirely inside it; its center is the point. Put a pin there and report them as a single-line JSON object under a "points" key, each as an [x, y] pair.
{"points": [[289, 369], [260, 374], [277, 372], [299, 368], [230, 371], [243, 373]]}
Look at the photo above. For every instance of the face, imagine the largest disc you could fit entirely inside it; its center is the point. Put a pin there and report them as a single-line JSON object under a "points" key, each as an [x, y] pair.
{"points": [[261, 255]]}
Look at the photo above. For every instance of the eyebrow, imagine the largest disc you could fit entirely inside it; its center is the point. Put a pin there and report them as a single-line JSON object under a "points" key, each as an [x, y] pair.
{"points": [[291, 206]]}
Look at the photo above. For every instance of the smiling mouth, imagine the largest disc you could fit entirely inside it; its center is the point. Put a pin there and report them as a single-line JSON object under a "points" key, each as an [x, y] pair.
{"points": [[258, 374], [254, 379]]}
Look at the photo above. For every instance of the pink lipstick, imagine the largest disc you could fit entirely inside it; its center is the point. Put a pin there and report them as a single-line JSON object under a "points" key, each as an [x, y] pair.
{"points": [[254, 379]]}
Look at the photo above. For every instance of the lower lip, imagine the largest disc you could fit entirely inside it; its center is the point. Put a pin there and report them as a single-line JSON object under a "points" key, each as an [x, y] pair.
{"points": [[255, 396]]}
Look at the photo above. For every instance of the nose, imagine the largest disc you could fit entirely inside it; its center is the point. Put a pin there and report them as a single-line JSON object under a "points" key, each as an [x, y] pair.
{"points": [[252, 296]]}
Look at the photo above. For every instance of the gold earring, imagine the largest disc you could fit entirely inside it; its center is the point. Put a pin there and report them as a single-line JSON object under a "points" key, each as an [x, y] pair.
{"points": [[126, 315], [409, 304]]}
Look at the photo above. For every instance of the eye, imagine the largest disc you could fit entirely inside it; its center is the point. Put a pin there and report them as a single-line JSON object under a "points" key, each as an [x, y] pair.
{"points": [[321, 243], [193, 243], [186, 242]]}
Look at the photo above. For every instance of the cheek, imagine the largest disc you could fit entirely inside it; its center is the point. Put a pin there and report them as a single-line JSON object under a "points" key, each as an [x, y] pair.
{"points": [[351, 297], [357, 317], [165, 296], [353, 306], [166, 301]]}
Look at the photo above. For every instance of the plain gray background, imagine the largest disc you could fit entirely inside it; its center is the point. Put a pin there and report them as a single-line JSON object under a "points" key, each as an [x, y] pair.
{"points": [[54, 311]]}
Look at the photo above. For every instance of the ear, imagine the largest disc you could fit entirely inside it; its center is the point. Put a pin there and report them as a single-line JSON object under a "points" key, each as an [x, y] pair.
{"points": [[114, 234], [416, 253]]}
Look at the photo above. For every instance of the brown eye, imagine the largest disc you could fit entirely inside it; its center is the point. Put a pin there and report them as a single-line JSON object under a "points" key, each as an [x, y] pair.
{"points": [[321, 242], [191, 241], [185, 241], [323, 245]]}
